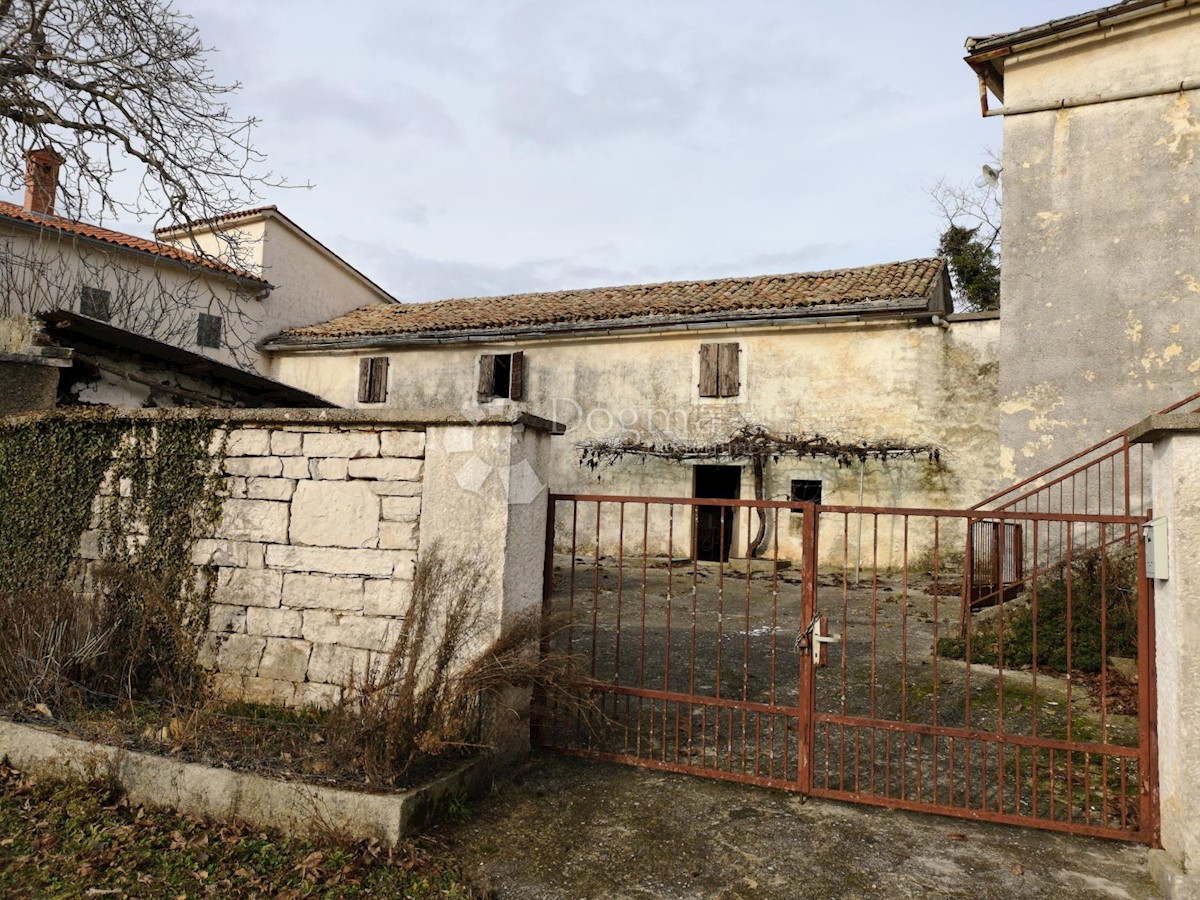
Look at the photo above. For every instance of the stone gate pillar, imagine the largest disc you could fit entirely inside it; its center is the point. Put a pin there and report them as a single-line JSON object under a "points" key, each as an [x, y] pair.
{"points": [[1175, 440]]}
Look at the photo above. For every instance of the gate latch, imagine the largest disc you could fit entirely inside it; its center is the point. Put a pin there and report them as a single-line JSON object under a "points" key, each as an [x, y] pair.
{"points": [[820, 638]]}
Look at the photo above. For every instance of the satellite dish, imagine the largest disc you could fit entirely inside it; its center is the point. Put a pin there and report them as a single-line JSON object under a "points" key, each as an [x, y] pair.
{"points": [[989, 178]]}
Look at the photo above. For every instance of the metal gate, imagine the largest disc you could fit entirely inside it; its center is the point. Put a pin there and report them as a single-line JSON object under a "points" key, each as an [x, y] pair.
{"points": [[837, 654]]}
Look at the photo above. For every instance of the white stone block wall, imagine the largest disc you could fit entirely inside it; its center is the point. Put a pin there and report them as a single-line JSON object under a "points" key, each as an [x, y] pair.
{"points": [[313, 557]]}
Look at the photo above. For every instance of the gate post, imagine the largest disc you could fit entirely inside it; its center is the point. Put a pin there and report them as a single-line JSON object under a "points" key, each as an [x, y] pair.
{"points": [[1175, 619], [807, 692]]}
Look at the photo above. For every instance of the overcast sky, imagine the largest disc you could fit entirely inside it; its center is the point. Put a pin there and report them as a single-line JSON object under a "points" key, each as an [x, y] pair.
{"points": [[469, 147]]}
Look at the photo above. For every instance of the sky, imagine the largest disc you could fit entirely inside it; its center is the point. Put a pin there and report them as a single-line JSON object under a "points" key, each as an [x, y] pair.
{"points": [[474, 147]]}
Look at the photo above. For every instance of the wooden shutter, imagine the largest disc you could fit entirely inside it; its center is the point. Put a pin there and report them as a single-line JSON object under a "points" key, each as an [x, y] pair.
{"points": [[517, 378], [364, 381], [708, 370], [487, 377], [729, 376], [379, 379]]}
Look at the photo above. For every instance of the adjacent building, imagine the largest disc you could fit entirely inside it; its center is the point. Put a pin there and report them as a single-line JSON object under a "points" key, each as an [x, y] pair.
{"points": [[1101, 222], [165, 321]]}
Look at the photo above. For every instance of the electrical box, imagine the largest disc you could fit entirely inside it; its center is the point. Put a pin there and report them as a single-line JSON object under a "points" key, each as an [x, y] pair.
{"points": [[1154, 534]]}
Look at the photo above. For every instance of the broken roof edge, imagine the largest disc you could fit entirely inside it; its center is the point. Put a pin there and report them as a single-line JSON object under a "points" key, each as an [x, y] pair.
{"points": [[64, 324], [985, 54], [263, 213], [392, 418], [830, 314]]}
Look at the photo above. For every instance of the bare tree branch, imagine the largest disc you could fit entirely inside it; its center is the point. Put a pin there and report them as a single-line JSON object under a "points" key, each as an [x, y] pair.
{"points": [[111, 84]]}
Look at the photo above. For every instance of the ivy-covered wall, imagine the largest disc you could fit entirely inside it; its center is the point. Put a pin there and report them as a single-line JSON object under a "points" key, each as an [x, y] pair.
{"points": [[281, 544]]}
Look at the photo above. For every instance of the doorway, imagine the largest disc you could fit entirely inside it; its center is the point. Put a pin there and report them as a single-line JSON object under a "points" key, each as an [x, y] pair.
{"points": [[714, 524]]}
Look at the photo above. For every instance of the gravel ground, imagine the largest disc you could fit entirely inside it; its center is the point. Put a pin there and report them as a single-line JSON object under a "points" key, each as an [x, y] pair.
{"points": [[570, 828]]}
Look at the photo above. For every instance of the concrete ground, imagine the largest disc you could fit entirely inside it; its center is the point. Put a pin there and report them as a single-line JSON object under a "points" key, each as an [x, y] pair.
{"points": [[571, 828]]}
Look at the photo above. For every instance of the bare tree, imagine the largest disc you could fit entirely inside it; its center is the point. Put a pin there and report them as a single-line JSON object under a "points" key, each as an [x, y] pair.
{"points": [[970, 240], [117, 86], [975, 205], [110, 84]]}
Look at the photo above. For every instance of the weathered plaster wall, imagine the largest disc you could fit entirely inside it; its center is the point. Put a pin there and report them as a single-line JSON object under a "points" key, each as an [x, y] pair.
{"points": [[915, 383], [310, 284], [1177, 653], [1100, 283]]}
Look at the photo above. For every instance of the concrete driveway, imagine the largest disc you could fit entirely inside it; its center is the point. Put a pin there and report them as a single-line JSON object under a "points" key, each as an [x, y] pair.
{"points": [[571, 828]]}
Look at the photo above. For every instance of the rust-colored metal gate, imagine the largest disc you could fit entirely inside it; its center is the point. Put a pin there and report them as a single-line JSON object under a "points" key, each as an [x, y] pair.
{"points": [[844, 660]]}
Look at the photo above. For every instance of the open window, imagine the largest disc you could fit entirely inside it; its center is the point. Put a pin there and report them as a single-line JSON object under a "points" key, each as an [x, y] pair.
{"points": [[372, 379], [803, 491], [501, 376], [720, 374]]}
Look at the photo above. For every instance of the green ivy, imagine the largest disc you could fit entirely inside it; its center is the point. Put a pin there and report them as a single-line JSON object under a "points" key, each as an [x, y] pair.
{"points": [[50, 471], [165, 489]]}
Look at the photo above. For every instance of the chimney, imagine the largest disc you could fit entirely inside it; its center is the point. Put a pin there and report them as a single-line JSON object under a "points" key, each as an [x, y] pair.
{"points": [[41, 180]]}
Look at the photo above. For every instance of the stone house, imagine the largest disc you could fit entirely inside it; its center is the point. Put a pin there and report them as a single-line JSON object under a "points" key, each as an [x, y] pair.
{"points": [[1100, 222], [155, 310], [852, 357]]}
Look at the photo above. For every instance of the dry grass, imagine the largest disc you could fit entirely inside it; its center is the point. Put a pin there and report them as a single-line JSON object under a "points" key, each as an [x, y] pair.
{"points": [[438, 690], [52, 641]]}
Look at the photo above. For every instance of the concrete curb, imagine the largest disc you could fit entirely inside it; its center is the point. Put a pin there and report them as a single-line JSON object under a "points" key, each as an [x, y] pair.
{"points": [[296, 808]]}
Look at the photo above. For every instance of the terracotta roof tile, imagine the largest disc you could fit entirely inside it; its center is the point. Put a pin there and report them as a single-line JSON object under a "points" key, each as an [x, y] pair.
{"points": [[882, 286], [120, 239], [213, 220]]}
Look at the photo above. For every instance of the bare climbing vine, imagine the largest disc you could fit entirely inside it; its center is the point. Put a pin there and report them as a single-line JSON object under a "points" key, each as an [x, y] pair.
{"points": [[757, 444]]}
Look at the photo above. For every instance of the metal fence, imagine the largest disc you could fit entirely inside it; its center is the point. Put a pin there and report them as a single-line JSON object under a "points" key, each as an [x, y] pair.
{"points": [[866, 679]]}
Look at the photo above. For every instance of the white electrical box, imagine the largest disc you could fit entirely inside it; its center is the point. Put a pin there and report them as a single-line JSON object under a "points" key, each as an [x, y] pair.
{"points": [[1154, 534]]}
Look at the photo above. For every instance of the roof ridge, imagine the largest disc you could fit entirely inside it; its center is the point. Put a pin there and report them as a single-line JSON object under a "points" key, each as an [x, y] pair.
{"points": [[223, 217], [734, 279]]}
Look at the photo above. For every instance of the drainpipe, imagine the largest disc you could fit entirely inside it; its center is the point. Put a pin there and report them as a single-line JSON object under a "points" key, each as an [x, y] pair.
{"points": [[862, 465]]}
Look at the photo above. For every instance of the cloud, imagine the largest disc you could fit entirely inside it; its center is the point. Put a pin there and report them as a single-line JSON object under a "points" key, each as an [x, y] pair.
{"points": [[393, 110], [411, 277]]}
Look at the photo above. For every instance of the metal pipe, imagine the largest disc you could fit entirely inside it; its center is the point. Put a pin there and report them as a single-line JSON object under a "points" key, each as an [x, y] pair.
{"points": [[862, 466], [1075, 102]]}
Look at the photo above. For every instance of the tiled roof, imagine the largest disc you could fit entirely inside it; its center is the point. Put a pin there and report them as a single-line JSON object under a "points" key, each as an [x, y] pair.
{"points": [[892, 285], [1095, 17], [120, 239]]}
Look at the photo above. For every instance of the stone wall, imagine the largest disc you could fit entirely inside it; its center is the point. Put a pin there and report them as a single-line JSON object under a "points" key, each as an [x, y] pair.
{"points": [[29, 381], [320, 534]]}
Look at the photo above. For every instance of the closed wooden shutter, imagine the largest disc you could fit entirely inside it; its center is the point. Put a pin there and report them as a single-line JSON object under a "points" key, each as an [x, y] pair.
{"points": [[364, 381], [487, 377], [709, 384], [730, 376], [372, 379], [379, 379], [517, 378]]}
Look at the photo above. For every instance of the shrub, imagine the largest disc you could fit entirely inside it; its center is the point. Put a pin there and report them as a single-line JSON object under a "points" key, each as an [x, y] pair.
{"points": [[1095, 577], [432, 695]]}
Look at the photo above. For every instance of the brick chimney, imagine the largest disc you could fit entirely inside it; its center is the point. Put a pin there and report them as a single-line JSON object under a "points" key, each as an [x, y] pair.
{"points": [[41, 180]]}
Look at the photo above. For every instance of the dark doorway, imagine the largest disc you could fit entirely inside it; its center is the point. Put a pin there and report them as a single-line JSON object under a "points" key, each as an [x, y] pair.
{"points": [[714, 524]]}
